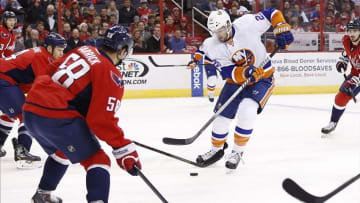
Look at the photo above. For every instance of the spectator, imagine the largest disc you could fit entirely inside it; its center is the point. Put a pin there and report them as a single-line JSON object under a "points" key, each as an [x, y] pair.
{"points": [[295, 25], [297, 12], [144, 10], [341, 27], [347, 8], [42, 32], [12, 5], [127, 13], [331, 7], [103, 15], [315, 25], [288, 16], [96, 23], [104, 27], [26, 31], [208, 6], [91, 14], [177, 43], [112, 20], [139, 42], [220, 6], [50, 19], [95, 40], [134, 23], [233, 13], [316, 13], [185, 27], [169, 26], [33, 41], [153, 44], [286, 6], [112, 10], [356, 11], [69, 18], [84, 32], [176, 15], [19, 43], [151, 23], [329, 24], [246, 4], [85, 3], [34, 12], [66, 31], [144, 34], [74, 41], [167, 12]]}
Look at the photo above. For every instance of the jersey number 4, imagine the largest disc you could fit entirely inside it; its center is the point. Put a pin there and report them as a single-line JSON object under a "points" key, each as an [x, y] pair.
{"points": [[71, 69]]}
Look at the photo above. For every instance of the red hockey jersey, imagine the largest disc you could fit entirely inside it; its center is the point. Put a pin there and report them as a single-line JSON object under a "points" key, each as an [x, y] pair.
{"points": [[83, 83], [353, 53], [22, 68], [7, 42]]}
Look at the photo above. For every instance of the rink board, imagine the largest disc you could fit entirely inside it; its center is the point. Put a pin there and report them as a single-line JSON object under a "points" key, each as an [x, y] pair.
{"points": [[295, 73]]}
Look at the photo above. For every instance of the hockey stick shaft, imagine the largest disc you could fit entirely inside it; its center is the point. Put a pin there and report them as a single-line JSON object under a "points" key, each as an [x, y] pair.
{"points": [[350, 90], [151, 59], [343, 186], [167, 154], [190, 140], [152, 187]]}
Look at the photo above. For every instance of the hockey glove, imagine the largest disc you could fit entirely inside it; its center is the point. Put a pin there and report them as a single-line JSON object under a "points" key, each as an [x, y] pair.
{"points": [[352, 83], [283, 36], [342, 63], [242, 73], [192, 64], [126, 157]]}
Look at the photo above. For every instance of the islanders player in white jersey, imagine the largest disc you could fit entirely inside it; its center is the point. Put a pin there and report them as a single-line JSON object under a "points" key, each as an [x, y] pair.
{"points": [[237, 52]]}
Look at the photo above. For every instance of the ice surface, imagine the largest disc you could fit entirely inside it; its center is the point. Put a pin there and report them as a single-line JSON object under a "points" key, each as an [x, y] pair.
{"points": [[286, 143]]}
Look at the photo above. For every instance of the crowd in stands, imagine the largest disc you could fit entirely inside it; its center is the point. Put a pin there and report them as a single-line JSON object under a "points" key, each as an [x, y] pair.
{"points": [[84, 21]]}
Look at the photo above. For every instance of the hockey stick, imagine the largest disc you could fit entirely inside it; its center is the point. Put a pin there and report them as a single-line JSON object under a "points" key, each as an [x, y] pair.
{"points": [[168, 154], [350, 90], [151, 59], [152, 187], [186, 141], [296, 191]]}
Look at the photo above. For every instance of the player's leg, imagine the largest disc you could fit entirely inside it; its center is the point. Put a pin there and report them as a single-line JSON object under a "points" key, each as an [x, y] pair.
{"points": [[55, 166], [254, 100], [221, 126], [211, 81], [6, 124], [341, 100]]}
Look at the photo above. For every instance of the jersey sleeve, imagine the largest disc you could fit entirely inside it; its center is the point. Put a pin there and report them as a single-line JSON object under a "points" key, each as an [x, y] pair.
{"points": [[107, 91], [3, 44]]}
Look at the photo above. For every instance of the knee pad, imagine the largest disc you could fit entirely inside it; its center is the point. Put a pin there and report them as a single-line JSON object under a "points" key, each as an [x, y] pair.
{"points": [[341, 100], [221, 125], [247, 114], [99, 159], [59, 157]]}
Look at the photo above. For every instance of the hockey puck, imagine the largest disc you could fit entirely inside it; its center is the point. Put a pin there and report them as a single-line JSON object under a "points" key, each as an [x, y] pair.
{"points": [[194, 174]]}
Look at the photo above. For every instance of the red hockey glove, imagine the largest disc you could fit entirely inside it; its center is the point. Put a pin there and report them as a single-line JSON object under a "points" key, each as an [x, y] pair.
{"points": [[126, 157]]}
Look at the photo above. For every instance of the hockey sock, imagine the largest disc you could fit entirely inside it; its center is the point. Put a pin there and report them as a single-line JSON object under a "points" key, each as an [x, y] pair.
{"points": [[6, 124], [3, 137], [241, 137], [24, 137], [52, 174], [220, 131], [336, 114], [97, 184], [341, 100]]}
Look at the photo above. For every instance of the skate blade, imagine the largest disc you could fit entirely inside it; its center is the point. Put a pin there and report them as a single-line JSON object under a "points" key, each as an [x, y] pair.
{"points": [[26, 165]]}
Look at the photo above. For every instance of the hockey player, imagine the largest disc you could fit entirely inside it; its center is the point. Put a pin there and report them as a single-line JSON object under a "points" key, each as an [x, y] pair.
{"points": [[17, 74], [64, 112], [237, 51], [352, 82], [210, 71]]}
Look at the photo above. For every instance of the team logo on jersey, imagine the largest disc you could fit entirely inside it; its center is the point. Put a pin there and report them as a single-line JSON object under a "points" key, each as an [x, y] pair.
{"points": [[243, 57], [355, 62], [4, 35], [118, 81]]}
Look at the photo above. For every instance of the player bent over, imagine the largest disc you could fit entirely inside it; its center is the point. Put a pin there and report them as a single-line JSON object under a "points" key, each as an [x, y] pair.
{"points": [[17, 73], [64, 112], [237, 50], [350, 54]]}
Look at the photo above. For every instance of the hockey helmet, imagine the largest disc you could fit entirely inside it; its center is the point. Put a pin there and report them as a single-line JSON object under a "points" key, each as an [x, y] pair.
{"points": [[219, 19], [55, 40], [118, 37]]}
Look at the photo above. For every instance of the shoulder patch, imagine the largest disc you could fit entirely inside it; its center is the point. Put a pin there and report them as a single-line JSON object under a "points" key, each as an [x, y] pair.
{"points": [[117, 80]]}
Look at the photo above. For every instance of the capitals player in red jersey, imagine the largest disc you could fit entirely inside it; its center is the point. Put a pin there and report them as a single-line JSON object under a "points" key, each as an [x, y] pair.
{"points": [[64, 112], [17, 74], [7, 34], [351, 85]]}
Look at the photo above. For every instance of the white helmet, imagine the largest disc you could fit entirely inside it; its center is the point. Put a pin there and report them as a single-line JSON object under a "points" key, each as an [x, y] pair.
{"points": [[218, 19]]}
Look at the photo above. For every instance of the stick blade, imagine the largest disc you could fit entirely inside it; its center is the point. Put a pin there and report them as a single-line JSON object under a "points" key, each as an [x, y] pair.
{"points": [[296, 191], [175, 141]]}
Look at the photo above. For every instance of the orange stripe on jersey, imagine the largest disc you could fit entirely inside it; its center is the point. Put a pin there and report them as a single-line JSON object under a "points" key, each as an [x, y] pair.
{"points": [[277, 18], [218, 143], [197, 56], [268, 93], [240, 140]]}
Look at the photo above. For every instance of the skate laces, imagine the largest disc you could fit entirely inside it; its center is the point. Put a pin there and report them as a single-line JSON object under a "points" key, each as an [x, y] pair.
{"points": [[235, 157], [209, 154]]}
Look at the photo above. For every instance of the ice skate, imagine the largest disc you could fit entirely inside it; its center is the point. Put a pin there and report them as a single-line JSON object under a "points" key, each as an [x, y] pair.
{"points": [[233, 160], [328, 129], [211, 156], [42, 196], [23, 159], [2, 151]]}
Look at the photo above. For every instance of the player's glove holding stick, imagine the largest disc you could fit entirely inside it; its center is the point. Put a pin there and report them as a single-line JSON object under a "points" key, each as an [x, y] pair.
{"points": [[342, 63], [192, 64], [242, 73], [126, 157], [353, 82], [283, 36]]}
